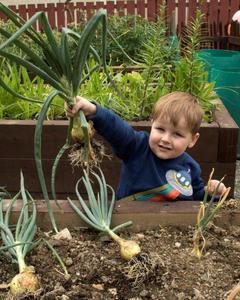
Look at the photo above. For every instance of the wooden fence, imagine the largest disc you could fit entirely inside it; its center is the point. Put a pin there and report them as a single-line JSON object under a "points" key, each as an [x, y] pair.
{"points": [[218, 12]]}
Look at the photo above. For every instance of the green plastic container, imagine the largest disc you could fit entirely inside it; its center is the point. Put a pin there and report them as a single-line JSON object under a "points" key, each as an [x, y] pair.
{"points": [[228, 89], [223, 59]]}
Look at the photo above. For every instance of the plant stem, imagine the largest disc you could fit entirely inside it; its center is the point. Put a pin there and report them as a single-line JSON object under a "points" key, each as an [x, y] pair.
{"points": [[20, 258]]}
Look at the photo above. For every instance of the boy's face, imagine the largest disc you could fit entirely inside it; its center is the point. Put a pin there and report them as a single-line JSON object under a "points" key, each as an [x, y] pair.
{"points": [[167, 141]]}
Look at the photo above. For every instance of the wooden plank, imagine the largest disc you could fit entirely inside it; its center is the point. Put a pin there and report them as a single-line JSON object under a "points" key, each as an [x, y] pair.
{"points": [[110, 7], [60, 9], [41, 7], [67, 176], [141, 8], [90, 10], [192, 7], [207, 133], [151, 10], [235, 6], [204, 7], [31, 10], [69, 9], [181, 15], [120, 8], [171, 6], [213, 15], [81, 13], [51, 15], [12, 137], [130, 7], [145, 216], [22, 11], [3, 17], [227, 139], [224, 17], [99, 5]]}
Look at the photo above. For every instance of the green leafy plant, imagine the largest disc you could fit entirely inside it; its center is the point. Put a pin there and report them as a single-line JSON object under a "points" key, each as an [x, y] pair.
{"points": [[158, 54], [207, 212], [189, 73], [64, 71], [18, 79], [98, 214], [130, 31]]}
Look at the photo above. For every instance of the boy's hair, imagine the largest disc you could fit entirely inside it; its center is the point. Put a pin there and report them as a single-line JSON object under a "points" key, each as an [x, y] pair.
{"points": [[179, 105]]}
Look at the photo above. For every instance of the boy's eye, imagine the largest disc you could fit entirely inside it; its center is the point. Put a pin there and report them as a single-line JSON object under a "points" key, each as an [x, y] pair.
{"points": [[160, 129], [178, 134]]}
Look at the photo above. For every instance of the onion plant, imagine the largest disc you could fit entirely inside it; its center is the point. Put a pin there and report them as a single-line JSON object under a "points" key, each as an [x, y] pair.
{"points": [[98, 214], [207, 212], [63, 67], [18, 241]]}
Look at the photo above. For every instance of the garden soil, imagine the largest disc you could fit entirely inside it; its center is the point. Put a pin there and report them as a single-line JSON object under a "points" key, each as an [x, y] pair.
{"points": [[166, 269]]}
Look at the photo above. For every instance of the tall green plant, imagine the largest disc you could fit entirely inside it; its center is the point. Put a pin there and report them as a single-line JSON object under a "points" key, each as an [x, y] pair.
{"points": [[63, 70], [188, 73]]}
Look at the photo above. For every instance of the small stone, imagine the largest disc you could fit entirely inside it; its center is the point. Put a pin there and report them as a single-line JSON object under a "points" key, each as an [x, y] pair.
{"points": [[139, 237], [174, 284], [177, 245], [113, 291], [98, 286], [69, 262], [181, 296], [144, 293], [65, 297], [198, 294], [63, 234]]}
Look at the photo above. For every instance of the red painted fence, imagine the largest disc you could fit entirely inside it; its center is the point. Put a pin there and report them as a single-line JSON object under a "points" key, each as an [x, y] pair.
{"points": [[218, 12]]}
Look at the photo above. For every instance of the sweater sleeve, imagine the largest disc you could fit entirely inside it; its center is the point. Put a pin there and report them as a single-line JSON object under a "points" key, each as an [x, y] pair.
{"points": [[120, 135], [197, 183]]}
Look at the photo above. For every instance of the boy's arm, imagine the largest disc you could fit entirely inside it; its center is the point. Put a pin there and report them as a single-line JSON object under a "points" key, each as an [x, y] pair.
{"points": [[117, 132], [120, 135]]}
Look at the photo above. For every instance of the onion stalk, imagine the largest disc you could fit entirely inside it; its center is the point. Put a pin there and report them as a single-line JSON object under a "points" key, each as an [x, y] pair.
{"points": [[19, 243], [207, 212], [98, 214], [63, 67]]}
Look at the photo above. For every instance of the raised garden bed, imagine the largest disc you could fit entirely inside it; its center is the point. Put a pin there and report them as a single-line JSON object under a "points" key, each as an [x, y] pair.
{"points": [[164, 231], [216, 148]]}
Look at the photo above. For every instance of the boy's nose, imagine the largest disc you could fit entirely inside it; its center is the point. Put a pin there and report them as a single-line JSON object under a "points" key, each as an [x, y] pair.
{"points": [[165, 137]]}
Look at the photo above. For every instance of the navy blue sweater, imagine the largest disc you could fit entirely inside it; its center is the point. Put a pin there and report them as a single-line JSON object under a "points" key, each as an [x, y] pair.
{"points": [[142, 170]]}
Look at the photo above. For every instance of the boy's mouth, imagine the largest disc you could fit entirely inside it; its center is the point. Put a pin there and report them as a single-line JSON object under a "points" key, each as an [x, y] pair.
{"points": [[164, 148]]}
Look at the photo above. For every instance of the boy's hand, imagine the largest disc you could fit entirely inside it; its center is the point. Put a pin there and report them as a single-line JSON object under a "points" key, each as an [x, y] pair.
{"points": [[213, 185], [86, 106]]}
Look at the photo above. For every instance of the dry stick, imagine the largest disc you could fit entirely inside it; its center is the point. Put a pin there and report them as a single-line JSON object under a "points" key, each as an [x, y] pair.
{"points": [[234, 292]]}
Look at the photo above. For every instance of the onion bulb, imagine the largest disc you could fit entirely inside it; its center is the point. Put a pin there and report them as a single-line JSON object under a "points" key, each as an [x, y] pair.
{"points": [[128, 248], [77, 133], [24, 282]]}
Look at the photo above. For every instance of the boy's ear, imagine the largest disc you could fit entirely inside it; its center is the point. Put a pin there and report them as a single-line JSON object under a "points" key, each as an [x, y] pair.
{"points": [[195, 137]]}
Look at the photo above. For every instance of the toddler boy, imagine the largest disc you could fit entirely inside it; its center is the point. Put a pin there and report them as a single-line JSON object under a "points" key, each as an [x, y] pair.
{"points": [[155, 166]]}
